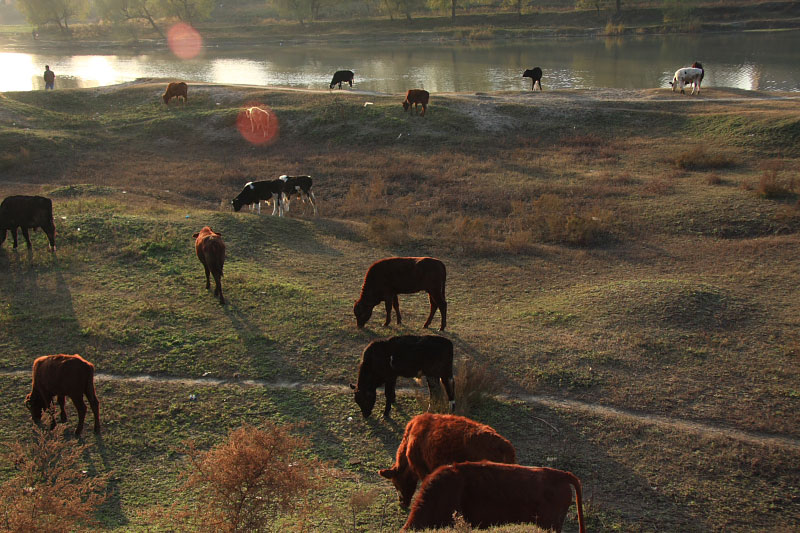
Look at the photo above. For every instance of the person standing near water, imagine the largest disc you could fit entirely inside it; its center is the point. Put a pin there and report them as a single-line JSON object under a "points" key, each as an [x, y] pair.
{"points": [[49, 78]]}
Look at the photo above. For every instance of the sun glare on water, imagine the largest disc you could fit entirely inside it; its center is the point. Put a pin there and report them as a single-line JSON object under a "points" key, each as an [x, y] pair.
{"points": [[184, 41]]}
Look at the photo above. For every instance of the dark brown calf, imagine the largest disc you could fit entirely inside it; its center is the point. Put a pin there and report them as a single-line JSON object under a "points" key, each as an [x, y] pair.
{"points": [[416, 97], [433, 440], [27, 212], [63, 375], [488, 494], [176, 89], [211, 251], [387, 278]]}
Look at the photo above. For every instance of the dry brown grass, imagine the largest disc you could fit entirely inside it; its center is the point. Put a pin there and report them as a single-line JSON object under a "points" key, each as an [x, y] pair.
{"points": [[700, 158]]}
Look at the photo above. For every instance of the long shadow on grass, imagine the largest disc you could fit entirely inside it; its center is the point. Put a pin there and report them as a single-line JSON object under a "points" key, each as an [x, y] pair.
{"points": [[111, 510], [40, 316]]}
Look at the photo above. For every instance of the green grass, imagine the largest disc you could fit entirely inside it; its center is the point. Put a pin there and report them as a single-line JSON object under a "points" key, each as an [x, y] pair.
{"points": [[684, 308]]}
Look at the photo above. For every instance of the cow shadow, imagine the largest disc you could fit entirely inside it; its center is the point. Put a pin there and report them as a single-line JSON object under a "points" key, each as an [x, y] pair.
{"points": [[112, 506]]}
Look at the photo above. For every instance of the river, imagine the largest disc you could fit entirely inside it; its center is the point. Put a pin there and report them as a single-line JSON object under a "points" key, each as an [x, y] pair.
{"points": [[747, 60]]}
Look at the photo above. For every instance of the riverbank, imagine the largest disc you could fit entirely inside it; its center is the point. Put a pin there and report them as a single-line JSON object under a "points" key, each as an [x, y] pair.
{"points": [[252, 31], [620, 263]]}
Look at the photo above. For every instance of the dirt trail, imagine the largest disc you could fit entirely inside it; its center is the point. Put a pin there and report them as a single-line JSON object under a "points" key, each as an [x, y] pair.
{"points": [[705, 429]]}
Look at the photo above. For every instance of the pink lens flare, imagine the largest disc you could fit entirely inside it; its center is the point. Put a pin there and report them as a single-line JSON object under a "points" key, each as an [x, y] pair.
{"points": [[257, 123], [184, 41]]}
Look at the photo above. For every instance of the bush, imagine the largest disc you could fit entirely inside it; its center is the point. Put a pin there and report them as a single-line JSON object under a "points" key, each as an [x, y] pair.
{"points": [[51, 492], [699, 159], [244, 483], [772, 186], [474, 382]]}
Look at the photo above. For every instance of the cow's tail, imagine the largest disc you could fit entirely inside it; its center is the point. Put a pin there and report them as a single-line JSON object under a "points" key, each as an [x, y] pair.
{"points": [[89, 388], [578, 500]]}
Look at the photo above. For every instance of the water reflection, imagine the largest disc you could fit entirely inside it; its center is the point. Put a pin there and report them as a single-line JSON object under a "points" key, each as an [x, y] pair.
{"points": [[745, 60]]}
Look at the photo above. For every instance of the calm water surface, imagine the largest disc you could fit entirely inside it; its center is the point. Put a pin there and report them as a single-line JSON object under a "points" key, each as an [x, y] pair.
{"points": [[753, 60]]}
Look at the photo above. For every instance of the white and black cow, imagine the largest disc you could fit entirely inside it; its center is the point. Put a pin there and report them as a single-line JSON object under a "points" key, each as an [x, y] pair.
{"points": [[255, 192], [688, 76], [301, 186]]}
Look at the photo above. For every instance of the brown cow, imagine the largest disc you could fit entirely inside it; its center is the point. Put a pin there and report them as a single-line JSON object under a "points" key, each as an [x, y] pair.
{"points": [[488, 494], [63, 375], [27, 212], [389, 277], [211, 251], [432, 440], [416, 97], [176, 89]]}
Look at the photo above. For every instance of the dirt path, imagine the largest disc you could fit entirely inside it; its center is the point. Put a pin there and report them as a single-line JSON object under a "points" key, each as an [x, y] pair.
{"points": [[705, 429]]}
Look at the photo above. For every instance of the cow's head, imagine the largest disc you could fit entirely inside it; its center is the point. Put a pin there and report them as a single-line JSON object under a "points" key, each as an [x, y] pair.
{"points": [[363, 312], [237, 204], [405, 481], [406, 105], [34, 403], [365, 399]]}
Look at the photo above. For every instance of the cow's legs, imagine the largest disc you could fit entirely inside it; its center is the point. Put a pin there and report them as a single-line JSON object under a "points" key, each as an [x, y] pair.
{"points": [[396, 305], [3, 236], [63, 413], [450, 388], [27, 237], [218, 287], [208, 279], [388, 302], [313, 200], [14, 234], [80, 406], [390, 395], [433, 310], [433, 389], [95, 405]]}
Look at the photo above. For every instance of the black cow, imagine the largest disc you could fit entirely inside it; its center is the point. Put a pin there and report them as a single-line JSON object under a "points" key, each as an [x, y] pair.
{"points": [[27, 212], [535, 74], [409, 356], [255, 192], [341, 76], [301, 186]]}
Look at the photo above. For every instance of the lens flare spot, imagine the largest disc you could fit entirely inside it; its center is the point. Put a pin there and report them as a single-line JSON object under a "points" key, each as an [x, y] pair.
{"points": [[184, 41], [257, 123]]}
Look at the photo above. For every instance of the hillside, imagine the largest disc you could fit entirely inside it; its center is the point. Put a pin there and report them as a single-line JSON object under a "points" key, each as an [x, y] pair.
{"points": [[622, 263]]}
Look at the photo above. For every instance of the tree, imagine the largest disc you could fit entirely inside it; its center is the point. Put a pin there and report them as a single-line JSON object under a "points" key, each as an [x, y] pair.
{"points": [[40, 12], [444, 4], [517, 5], [129, 10], [188, 10], [588, 4], [406, 7]]}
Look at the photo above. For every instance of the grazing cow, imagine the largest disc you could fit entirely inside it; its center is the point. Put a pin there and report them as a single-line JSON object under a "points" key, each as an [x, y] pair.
{"points": [[259, 119], [488, 494], [431, 441], [389, 277], [254, 192], [416, 97], [61, 376], [699, 65], [687, 76], [341, 76], [211, 252], [176, 90], [27, 212], [535, 74], [301, 186], [409, 356]]}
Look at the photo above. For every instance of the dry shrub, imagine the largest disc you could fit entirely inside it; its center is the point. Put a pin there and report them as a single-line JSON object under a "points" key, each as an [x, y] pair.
{"points": [[474, 382], [698, 158], [50, 492], [659, 186], [391, 231], [364, 199], [771, 185], [552, 219], [245, 483], [714, 179]]}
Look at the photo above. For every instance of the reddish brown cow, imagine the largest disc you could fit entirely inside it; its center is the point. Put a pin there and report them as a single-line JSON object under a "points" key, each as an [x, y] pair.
{"points": [[389, 277], [211, 251], [432, 440], [63, 375], [416, 97], [176, 89], [488, 494]]}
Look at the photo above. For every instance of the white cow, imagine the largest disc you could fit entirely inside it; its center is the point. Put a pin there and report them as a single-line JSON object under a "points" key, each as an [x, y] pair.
{"points": [[687, 76]]}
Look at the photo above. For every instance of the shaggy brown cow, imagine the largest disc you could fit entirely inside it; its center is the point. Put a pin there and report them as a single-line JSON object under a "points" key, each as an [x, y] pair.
{"points": [[176, 89], [27, 212], [409, 356], [211, 252], [416, 97], [488, 494], [432, 440], [63, 375], [389, 277]]}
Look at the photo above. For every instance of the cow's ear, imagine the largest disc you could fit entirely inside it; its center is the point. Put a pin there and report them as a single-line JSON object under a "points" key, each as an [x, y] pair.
{"points": [[195, 235], [218, 233], [388, 473], [353, 386]]}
